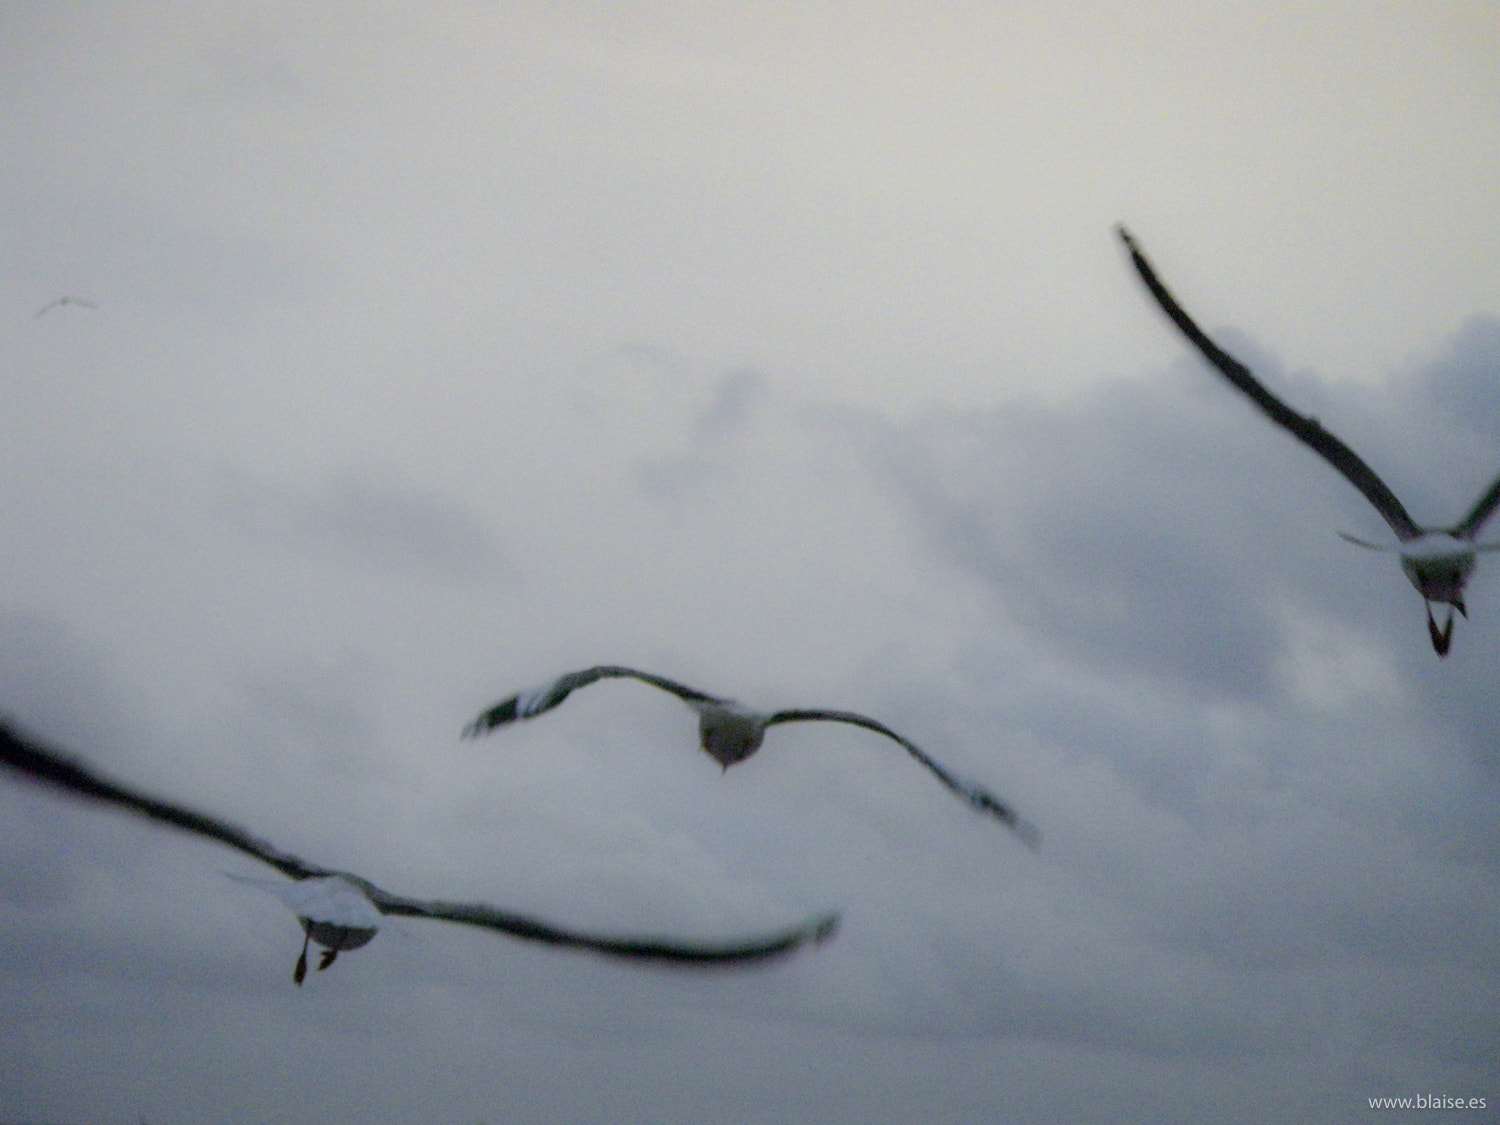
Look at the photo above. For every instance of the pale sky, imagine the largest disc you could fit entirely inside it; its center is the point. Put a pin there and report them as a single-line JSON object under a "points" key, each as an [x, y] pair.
{"points": [[787, 351]]}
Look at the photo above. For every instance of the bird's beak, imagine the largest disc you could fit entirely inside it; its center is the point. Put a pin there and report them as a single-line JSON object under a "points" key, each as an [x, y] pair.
{"points": [[1458, 604], [300, 972]]}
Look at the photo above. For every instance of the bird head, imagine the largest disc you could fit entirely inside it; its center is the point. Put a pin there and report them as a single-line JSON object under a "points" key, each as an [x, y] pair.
{"points": [[728, 732]]}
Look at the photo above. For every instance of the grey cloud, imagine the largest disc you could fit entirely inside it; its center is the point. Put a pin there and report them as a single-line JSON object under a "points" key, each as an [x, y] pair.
{"points": [[735, 394], [367, 522], [728, 411], [250, 64], [1462, 380], [1088, 534], [1155, 527], [1166, 562]]}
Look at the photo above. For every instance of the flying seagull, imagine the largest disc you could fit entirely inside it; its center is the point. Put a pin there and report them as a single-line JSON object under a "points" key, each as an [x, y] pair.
{"points": [[79, 301], [334, 912], [341, 911], [1438, 561], [730, 732]]}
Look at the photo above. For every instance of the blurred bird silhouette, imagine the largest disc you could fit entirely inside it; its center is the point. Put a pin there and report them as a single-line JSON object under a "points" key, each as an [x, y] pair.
{"points": [[729, 732], [341, 911], [1437, 561], [61, 301]]}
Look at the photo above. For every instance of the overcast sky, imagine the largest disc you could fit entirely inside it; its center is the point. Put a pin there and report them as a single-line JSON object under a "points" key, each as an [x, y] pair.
{"points": [[785, 350]]}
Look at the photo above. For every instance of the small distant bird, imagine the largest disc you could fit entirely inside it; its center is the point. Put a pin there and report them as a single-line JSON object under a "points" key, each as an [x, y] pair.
{"points": [[1437, 561], [79, 301], [730, 732], [341, 911]]}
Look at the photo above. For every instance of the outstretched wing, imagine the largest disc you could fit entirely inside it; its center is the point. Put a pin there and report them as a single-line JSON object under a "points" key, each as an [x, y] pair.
{"points": [[33, 761], [1483, 508], [1306, 430], [528, 704], [65, 301], [816, 930], [977, 796], [28, 758]]}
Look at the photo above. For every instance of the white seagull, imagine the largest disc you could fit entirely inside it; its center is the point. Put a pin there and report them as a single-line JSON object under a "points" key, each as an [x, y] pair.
{"points": [[730, 732], [341, 911], [1438, 561], [79, 301], [334, 912]]}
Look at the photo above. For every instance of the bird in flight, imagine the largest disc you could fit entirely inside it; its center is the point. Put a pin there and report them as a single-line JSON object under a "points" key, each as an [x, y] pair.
{"points": [[1437, 561], [79, 301], [334, 912], [341, 911], [730, 732]]}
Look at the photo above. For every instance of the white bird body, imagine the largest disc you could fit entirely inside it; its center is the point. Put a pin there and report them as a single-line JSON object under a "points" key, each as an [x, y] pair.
{"points": [[334, 912], [326, 901], [1437, 561], [341, 911], [729, 732], [1438, 565]]}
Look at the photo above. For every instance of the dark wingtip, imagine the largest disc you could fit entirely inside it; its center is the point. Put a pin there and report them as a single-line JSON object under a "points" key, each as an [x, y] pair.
{"points": [[985, 802], [504, 712], [1029, 834], [823, 927]]}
